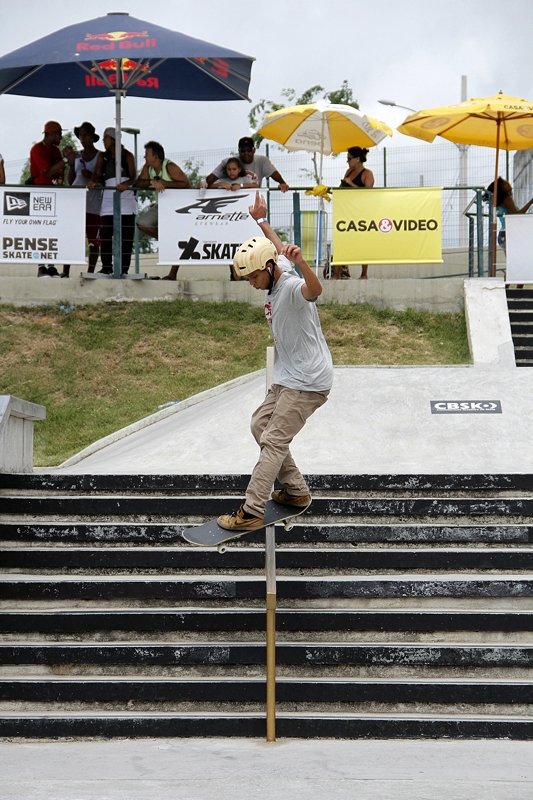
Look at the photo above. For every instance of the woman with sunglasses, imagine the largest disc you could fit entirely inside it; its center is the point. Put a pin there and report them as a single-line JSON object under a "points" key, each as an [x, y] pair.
{"points": [[357, 176]]}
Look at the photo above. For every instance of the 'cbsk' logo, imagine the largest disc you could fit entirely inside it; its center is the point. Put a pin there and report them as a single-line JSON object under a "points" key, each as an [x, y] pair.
{"points": [[466, 407], [17, 203]]}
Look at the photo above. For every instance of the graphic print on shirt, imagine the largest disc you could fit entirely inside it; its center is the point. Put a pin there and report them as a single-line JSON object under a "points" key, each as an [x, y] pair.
{"points": [[268, 312]]}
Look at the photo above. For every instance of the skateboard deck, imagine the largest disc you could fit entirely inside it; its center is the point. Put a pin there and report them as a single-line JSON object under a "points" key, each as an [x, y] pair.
{"points": [[210, 534]]}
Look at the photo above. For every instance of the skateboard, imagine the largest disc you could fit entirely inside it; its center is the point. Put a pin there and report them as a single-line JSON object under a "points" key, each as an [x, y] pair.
{"points": [[210, 534]]}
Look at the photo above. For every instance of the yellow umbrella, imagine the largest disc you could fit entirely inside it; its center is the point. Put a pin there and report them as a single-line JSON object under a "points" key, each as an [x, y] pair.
{"points": [[498, 121], [323, 128]]}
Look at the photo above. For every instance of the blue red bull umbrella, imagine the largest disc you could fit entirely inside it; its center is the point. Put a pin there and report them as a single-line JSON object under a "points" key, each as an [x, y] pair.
{"points": [[121, 55], [119, 52]]}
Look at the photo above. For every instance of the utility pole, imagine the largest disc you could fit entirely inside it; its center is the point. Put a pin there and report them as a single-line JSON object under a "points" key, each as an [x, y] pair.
{"points": [[463, 179]]}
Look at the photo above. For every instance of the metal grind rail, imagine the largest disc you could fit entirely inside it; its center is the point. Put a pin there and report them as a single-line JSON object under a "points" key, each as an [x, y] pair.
{"points": [[270, 573]]}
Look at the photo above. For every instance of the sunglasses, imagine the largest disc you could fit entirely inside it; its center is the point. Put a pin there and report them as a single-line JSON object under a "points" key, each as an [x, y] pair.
{"points": [[246, 149]]}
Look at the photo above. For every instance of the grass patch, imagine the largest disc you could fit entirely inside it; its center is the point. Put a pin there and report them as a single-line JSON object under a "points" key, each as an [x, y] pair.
{"points": [[99, 368]]}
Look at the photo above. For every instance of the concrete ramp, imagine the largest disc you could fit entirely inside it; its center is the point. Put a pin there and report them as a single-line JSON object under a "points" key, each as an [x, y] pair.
{"points": [[377, 420]]}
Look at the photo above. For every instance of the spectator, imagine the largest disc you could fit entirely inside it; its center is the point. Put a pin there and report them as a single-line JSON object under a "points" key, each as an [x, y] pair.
{"points": [[105, 172], [82, 166], [2, 170], [160, 173], [47, 167], [505, 205], [235, 177], [357, 176], [257, 167]]}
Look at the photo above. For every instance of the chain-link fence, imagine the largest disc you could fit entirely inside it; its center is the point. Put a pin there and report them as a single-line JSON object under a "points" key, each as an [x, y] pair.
{"points": [[438, 164]]}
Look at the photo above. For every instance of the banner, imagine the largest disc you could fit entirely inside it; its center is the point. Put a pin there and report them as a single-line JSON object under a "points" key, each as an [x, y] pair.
{"points": [[42, 223], [519, 246], [387, 226], [195, 229]]}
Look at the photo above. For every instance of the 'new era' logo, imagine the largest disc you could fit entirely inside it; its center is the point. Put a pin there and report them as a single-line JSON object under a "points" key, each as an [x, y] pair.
{"points": [[14, 202], [17, 203]]}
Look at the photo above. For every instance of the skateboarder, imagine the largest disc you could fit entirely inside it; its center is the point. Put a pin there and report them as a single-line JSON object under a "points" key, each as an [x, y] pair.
{"points": [[303, 369]]}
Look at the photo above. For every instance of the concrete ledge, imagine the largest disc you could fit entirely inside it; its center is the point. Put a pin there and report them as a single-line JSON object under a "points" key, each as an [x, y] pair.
{"points": [[398, 293], [487, 321], [16, 433]]}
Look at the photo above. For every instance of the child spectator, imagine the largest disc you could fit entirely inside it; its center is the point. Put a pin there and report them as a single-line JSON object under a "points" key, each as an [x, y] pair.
{"points": [[234, 177]]}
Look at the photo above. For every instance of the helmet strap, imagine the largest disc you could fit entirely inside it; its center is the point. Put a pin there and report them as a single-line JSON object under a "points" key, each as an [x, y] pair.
{"points": [[270, 271]]}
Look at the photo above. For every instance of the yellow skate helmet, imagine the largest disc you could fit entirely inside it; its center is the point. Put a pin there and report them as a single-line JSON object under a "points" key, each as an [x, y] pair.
{"points": [[253, 254]]}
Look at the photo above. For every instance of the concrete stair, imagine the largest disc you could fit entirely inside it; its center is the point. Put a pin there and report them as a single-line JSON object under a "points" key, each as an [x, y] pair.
{"points": [[520, 304], [405, 609]]}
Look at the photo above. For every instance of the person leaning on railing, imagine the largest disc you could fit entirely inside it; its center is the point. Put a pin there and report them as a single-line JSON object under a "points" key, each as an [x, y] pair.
{"points": [[505, 205], [357, 176], [105, 173], [158, 173]]}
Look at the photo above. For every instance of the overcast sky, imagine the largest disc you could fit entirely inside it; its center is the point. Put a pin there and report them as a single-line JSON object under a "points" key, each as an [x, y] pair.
{"points": [[413, 52]]}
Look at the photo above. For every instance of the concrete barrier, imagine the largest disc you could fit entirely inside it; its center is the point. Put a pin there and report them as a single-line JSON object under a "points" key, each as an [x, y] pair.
{"points": [[487, 323], [16, 433], [400, 294]]}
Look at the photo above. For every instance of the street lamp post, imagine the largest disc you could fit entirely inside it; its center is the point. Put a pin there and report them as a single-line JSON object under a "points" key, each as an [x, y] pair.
{"points": [[389, 103], [463, 165], [135, 132]]}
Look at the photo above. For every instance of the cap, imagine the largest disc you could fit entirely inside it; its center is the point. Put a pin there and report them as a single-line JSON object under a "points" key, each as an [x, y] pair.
{"points": [[52, 127], [87, 126], [246, 141], [110, 132]]}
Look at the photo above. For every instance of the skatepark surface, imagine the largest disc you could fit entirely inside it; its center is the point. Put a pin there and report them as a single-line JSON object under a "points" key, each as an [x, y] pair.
{"points": [[377, 420], [291, 769]]}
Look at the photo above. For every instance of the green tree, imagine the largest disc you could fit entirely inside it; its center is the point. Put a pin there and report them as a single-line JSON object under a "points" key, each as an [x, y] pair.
{"points": [[343, 96], [66, 140]]}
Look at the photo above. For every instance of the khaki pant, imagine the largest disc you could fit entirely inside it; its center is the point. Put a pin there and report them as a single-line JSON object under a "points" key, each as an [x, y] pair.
{"points": [[274, 425]]}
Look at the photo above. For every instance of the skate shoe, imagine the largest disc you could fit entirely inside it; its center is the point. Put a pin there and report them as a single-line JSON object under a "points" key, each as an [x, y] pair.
{"points": [[240, 521], [286, 499]]}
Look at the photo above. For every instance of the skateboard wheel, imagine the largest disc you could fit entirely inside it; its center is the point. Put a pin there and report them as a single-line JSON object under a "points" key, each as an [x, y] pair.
{"points": [[221, 548], [288, 526]]}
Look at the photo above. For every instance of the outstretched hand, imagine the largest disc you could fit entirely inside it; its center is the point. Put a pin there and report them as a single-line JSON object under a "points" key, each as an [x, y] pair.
{"points": [[259, 208], [293, 253]]}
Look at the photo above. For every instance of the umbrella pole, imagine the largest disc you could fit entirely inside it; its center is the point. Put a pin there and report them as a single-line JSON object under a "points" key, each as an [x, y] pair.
{"points": [[117, 229], [495, 200]]}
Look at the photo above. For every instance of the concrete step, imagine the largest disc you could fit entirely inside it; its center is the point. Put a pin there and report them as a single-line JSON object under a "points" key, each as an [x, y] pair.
{"points": [[70, 621], [224, 484], [123, 534], [348, 726], [340, 559], [204, 507], [149, 654], [520, 315], [137, 691], [224, 588]]}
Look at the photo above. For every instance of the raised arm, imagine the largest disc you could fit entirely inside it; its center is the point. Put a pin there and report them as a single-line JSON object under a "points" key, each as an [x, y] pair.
{"points": [[312, 288], [258, 212], [510, 207]]}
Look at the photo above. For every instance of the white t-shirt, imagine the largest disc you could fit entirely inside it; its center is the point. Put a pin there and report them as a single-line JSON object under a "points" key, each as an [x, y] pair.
{"points": [[302, 359], [128, 203], [261, 167], [94, 196]]}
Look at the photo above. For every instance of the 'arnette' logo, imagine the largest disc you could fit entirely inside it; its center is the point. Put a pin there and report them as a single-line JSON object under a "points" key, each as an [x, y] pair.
{"points": [[211, 205]]}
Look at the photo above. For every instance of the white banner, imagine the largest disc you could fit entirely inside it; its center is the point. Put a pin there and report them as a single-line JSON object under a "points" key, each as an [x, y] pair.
{"points": [[203, 230], [42, 223], [519, 247]]}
